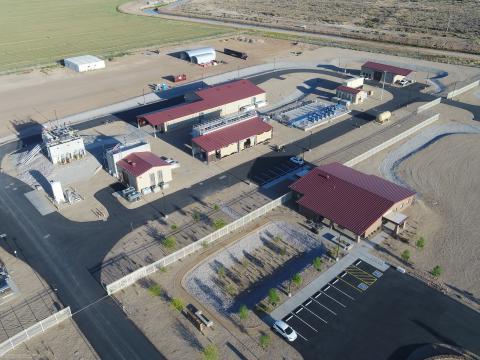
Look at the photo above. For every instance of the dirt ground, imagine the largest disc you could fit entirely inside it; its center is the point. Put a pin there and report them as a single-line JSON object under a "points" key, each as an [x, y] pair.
{"points": [[64, 341], [438, 24], [446, 211], [42, 95], [155, 317], [446, 176]]}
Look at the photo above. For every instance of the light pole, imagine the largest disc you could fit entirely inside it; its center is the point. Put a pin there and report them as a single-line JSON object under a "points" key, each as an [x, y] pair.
{"points": [[310, 141]]}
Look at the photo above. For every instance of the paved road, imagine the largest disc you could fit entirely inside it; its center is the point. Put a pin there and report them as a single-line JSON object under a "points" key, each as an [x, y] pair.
{"points": [[62, 251]]}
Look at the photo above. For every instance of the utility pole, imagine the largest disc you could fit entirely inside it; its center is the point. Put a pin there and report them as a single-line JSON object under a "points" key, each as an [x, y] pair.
{"points": [[383, 85]]}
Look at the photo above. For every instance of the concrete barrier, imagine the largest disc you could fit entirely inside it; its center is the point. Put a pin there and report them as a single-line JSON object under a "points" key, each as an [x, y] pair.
{"points": [[429, 105], [456, 92], [392, 141]]}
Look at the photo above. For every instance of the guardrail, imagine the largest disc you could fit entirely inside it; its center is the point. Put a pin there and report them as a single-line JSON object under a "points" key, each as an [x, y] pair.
{"points": [[429, 105], [34, 330], [456, 92], [392, 141], [147, 270]]}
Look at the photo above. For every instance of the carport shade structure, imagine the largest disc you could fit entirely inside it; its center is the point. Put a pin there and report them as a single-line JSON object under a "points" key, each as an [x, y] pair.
{"points": [[349, 198], [231, 134]]}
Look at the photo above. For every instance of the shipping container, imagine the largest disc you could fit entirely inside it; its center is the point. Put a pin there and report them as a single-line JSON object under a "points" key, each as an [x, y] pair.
{"points": [[235, 53]]}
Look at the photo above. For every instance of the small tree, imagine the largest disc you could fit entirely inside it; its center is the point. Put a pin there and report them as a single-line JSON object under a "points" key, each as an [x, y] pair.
{"points": [[273, 297], [243, 313], [421, 243], [196, 216], [297, 279], [177, 304], [283, 251], [221, 271], [406, 255], [277, 238], [170, 242], [264, 341], [155, 290], [231, 289], [216, 207], [218, 223], [210, 352], [436, 271], [317, 263], [173, 227]]}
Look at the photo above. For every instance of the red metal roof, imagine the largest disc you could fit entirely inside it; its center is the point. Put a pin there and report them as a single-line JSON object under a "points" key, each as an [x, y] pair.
{"points": [[231, 134], [138, 163], [212, 97], [388, 68], [349, 197], [348, 89]]}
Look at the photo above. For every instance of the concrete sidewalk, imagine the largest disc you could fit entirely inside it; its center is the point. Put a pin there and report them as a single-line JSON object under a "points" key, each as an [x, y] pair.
{"points": [[360, 251]]}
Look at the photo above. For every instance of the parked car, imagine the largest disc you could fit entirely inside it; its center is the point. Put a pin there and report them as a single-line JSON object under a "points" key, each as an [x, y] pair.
{"points": [[297, 160], [284, 330]]}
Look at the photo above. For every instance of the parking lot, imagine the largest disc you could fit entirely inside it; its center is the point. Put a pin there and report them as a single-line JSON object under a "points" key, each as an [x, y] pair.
{"points": [[364, 313]]}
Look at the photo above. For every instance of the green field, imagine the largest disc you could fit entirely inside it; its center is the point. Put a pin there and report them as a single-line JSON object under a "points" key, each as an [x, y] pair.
{"points": [[38, 32]]}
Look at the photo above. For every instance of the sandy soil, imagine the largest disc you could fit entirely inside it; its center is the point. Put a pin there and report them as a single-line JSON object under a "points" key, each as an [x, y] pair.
{"points": [[65, 341], [446, 176]]}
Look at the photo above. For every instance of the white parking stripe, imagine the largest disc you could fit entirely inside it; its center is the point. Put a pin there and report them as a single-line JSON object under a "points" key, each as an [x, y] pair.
{"points": [[343, 292], [289, 318], [310, 326], [336, 280], [338, 302], [358, 262], [319, 303], [325, 321], [303, 337]]}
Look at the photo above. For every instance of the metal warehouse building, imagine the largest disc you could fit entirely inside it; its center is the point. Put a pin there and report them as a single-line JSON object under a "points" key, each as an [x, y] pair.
{"points": [[199, 56], [84, 63], [382, 72], [357, 203], [216, 142], [210, 103]]}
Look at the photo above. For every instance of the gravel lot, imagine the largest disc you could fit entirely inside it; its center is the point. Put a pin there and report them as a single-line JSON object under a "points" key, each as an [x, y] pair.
{"points": [[201, 281]]}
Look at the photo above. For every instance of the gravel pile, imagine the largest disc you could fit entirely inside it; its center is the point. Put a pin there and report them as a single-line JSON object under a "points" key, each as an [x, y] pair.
{"points": [[201, 281]]}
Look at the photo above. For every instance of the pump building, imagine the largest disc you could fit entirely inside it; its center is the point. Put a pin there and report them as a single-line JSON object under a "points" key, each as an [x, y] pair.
{"points": [[207, 104]]}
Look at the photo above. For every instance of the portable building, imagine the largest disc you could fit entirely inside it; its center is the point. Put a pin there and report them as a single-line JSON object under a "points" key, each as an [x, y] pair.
{"points": [[84, 63]]}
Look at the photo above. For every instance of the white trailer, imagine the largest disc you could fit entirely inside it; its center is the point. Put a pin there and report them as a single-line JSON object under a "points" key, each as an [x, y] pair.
{"points": [[84, 63], [354, 82]]}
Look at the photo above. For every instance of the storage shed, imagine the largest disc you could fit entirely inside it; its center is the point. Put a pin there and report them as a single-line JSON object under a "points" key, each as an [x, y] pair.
{"points": [[84, 63], [199, 56], [350, 94]]}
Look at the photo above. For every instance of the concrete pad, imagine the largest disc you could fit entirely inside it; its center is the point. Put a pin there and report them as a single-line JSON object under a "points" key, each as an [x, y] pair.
{"points": [[39, 200]]}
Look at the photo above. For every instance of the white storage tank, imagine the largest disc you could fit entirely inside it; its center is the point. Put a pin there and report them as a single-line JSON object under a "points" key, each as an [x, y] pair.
{"points": [[57, 192], [84, 63]]}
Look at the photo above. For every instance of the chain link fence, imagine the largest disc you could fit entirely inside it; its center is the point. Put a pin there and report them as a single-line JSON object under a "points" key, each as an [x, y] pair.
{"points": [[34, 330], [147, 270]]}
